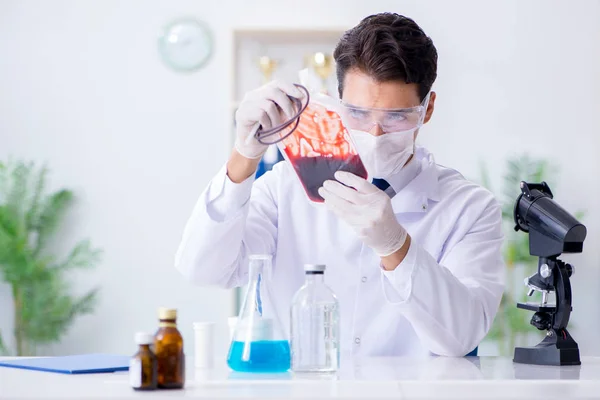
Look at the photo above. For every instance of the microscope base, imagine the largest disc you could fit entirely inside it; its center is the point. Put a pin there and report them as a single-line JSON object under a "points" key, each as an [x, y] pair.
{"points": [[550, 351], [546, 356]]}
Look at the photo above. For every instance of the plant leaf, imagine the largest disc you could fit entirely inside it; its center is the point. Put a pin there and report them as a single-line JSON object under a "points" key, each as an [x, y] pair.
{"points": [[33, 213], [86, 303], [3, 349], [82, 256], [44, 307], [50, 215], [48, 310]]}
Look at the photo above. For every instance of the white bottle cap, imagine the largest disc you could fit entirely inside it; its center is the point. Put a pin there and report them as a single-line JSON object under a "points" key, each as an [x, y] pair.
{"points": [[144, 338]]}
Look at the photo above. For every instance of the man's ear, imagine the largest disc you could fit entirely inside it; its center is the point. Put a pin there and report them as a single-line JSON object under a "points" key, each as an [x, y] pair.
{"points": [[430, 107]]}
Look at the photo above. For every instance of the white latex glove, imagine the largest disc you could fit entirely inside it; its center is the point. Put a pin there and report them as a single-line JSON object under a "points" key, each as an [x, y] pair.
{"points": [[367, 209], [269, 105]]}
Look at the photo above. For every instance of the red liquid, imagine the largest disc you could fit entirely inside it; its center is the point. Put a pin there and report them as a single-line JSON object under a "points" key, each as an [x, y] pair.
{"points": [[313, 171], [319, 147]]}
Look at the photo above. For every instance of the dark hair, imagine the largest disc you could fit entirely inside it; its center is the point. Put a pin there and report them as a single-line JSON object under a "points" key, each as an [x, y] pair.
{"points": [[388, 47]]}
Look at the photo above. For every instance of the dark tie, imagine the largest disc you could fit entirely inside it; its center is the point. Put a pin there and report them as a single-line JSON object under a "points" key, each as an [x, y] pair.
{"points": [[381, 183]]}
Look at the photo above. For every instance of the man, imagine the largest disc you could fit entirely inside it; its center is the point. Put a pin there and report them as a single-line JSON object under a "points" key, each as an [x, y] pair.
{"points": [[416, 263]]}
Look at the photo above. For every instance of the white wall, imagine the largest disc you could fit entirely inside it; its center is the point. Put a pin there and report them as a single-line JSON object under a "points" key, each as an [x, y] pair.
{"points": [[81, 87]]}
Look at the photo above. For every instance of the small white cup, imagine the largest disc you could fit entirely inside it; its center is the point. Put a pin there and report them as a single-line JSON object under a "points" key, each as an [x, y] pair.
{"points": [[232, 323], [204, 343]]}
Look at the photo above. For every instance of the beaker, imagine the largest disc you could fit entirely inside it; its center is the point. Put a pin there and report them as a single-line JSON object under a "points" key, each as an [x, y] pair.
{"points": [[259, 343]]}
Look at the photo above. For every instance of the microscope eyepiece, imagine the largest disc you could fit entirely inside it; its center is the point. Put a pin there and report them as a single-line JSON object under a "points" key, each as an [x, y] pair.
{"points": [[552, 230]]}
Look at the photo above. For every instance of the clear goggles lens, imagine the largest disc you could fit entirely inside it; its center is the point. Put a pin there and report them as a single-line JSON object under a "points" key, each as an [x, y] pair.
{"points": [[390, 120]]}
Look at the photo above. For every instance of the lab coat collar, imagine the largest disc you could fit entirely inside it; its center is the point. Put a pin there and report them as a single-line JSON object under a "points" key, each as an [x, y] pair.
{"points": [[415, 196], [408, 172]]}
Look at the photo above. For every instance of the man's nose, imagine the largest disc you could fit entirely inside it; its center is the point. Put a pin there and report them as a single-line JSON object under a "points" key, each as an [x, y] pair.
{"points": [[376, 130]]}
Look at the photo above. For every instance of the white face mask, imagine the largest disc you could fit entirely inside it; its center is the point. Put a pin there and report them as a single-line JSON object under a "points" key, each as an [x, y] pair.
{"points": [[386, 154]]}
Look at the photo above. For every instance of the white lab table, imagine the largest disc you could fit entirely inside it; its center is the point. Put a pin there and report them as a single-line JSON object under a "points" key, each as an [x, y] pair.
{"points": [[373, 378]]}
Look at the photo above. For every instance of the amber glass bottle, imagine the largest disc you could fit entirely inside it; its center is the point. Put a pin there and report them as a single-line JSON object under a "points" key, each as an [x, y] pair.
{"points": [[168, 347], [143, 366]]}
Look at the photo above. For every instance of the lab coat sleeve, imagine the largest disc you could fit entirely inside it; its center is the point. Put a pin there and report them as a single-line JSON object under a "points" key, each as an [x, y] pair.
{"points": [[229, 222], [452, 304]]}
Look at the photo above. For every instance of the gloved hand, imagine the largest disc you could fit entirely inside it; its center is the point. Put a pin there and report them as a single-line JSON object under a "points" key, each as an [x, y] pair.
{"points": [[269, 105], [368, 210]]}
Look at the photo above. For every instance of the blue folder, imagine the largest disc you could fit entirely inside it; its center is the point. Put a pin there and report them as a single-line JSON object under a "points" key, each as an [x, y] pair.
{"points": [[76, 364]]}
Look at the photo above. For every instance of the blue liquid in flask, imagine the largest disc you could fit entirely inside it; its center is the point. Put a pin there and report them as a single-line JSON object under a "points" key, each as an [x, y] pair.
{"points": [[262, 356]]}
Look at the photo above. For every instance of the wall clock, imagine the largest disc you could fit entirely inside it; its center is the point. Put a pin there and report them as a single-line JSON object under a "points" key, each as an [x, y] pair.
{"points": [[185, 44]]}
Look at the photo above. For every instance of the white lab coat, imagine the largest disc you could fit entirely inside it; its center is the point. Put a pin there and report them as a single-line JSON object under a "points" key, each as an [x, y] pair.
{"points": [[441, 299]]}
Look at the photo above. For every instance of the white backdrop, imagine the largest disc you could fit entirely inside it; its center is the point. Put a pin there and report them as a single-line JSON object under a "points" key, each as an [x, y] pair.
{"points": [[82, 88]]}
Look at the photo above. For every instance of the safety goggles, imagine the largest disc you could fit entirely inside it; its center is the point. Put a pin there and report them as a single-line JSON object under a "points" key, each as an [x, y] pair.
{"points": [[390, 120]]}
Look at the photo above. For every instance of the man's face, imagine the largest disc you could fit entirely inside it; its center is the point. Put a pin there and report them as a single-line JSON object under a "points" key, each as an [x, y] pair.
{"points": [[360, 90]]}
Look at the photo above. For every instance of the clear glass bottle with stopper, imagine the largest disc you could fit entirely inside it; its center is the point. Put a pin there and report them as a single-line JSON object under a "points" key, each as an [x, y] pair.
{"points": [[314, 325], [259, 343]]}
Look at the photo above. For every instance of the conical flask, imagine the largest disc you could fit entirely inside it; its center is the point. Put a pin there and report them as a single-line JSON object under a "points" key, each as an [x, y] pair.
{"points": [[259, 343]]}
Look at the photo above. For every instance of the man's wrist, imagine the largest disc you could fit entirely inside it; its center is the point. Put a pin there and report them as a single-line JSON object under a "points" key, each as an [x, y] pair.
{"points": [[391, 262], [240, 168]]}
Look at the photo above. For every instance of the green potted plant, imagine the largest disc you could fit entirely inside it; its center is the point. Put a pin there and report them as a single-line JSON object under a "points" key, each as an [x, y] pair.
{"points": [[511, 326], [43, 307]]}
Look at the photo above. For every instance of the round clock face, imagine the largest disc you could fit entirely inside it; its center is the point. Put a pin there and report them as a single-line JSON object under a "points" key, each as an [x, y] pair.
{"points": [[185, 44]]}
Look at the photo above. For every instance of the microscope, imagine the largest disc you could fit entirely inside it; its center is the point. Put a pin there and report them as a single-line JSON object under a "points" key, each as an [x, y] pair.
{"points": [[552, 231]]}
